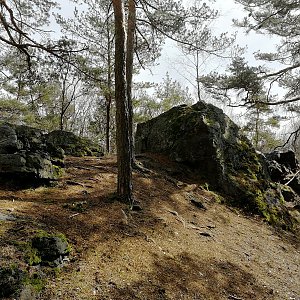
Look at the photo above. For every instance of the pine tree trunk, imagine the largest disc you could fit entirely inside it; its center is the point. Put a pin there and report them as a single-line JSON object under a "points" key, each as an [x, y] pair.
{"points": [[131, 24], [107, 125], [124, 189]]}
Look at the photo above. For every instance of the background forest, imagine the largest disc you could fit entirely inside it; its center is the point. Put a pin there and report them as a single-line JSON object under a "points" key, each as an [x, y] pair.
{"points": [[58, 66]]}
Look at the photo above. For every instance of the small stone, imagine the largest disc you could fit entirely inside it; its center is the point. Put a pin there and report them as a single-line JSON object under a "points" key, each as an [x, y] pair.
{"points": [[205, 234], [197, 203]]}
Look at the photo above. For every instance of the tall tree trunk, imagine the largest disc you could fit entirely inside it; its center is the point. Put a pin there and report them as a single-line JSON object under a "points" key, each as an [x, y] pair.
{"points": [[109, 88], [131, 24], [107, 125], [124, 189]]}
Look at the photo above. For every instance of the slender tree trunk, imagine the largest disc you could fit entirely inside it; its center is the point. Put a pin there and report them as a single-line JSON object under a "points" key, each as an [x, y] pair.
{"points": [[61, 122], [124, 189], [256, 140], [107, 125], [108, 93], [131, 25], [198, 76]]}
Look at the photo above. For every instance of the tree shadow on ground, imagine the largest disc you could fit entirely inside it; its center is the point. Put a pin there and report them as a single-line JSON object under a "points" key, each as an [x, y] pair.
{"points": [[189, 277], [184, 276]]}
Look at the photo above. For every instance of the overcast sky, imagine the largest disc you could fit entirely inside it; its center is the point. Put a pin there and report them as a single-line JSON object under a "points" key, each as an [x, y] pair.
{"points": [[175, 63]]}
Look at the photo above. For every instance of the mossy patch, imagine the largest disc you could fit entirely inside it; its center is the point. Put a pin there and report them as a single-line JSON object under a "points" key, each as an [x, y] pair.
{"points": [[32, 255]]}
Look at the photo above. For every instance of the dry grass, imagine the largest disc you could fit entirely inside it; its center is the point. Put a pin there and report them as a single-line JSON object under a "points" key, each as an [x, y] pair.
{"points": [[169, 250]]}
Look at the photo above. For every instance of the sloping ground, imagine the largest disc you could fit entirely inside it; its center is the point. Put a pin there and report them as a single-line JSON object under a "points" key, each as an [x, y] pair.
{"points": [[169, 250]]}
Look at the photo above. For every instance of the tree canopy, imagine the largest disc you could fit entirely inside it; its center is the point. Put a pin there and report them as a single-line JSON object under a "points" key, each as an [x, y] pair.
{"points": [[86, 74]]}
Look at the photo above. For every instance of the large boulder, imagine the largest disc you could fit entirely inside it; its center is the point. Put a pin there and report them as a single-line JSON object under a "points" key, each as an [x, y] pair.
{"points": [[205, 140], [74, 145], [25, 155]]}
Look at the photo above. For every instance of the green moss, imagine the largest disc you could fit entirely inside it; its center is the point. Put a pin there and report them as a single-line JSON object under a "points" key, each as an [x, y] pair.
{"points": [[205, 186], [209, 121], [42, 233], [58, 171], [36, 281], [218, 198], [31, 256]]}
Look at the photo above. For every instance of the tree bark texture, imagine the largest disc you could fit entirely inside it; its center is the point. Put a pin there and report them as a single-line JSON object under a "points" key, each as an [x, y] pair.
{"points": [[124, 189], [131, 25]]}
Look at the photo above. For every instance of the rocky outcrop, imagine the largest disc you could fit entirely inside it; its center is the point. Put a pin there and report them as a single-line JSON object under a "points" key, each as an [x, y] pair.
{"points": [[284, 168], [74, 145], [205, 140], [25, 155]]}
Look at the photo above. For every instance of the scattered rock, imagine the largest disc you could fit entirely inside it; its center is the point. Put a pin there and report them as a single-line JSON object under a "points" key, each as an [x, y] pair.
{"points": [[295, 183], [78, 206], [281, 163], [288, 193], [285, 158], [205, 234], [4, 217], [284, 168], [197, 203], [51, 249], [137, 207], [11, 281]]}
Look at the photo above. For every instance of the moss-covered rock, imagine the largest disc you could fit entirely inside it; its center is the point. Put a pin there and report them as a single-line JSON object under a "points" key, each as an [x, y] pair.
{"points": [[46, 249], [74, 145], [20, 284], [204, 139], [11, 281]]}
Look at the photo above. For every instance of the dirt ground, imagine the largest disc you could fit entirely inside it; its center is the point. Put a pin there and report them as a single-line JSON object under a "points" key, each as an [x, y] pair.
{"points": [[171, 249]]}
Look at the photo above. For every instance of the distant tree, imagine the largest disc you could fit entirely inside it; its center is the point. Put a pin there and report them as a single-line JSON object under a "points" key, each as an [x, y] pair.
{"points": [[242, 86], [22, 26], [94, 26], [279, 19], [28, 79], [162, 97], [13, 111], [261, 127], [201, 43], [240, 78], [170, 93]]}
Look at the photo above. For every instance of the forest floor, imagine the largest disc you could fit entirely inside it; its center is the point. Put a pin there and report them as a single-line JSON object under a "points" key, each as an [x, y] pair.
{"points": [[171, 249]]}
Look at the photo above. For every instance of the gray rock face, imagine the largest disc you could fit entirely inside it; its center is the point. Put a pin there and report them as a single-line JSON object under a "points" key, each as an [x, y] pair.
{"points": [[205, 140], [26, 155]]}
